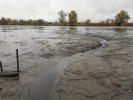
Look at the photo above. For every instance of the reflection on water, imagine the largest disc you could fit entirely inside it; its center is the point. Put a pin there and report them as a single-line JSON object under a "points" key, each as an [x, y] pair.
{"points": [[4, 30], [87, 28], [73, 28], [63, 28], [120, 29], [121, 32]]}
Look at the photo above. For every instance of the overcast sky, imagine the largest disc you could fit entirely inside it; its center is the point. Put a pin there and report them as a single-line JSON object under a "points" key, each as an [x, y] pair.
{"points": [[96, 10]]}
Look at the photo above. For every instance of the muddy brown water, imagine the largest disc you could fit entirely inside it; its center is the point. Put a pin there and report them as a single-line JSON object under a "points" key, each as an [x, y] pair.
{"points": [[37, 42], [40, 45]]}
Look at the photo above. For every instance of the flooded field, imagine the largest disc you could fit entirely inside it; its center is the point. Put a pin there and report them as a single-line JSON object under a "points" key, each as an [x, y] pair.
{"points": [[99, 54], [35, 43]]}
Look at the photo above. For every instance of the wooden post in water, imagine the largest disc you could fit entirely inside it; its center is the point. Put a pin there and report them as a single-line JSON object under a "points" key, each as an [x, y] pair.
{"points": [[17, 60], [1, 66]]}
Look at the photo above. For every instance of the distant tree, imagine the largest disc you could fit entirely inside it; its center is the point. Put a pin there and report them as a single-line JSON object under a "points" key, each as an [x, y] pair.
{"points": [[102, 21], [72, 18], [107, 20], [30, 22], [9, 21], [87, 21], [38, 22], [121, 17], [35, 22], [65, 23], [15, 22], [3, 21], [21, 22], [112, 20], [62, 17]]}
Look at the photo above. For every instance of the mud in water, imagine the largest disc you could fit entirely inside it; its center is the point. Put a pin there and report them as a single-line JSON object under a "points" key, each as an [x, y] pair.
{"points": [[98, 65], [40, 50], [102, 74]]}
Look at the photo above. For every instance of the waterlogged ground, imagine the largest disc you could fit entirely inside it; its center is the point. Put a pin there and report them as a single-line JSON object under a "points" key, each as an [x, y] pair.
{"points": [[97, 62], [105, 73], [36, 43], [40, 50]]}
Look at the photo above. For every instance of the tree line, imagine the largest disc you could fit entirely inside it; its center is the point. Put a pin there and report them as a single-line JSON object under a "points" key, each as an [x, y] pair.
{"points": [[120, 19], [9, 21]]}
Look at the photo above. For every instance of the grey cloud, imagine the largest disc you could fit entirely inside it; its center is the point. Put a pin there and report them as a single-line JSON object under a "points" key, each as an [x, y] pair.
{"points": [[96, 10]]}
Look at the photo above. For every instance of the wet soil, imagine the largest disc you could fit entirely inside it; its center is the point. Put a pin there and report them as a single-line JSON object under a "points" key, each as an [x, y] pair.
{"points": [[97, 63], [102, 74], [40, 51]]}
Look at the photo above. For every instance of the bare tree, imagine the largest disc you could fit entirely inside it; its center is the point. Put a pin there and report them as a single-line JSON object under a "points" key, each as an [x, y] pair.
{"points": [[62, 17]]}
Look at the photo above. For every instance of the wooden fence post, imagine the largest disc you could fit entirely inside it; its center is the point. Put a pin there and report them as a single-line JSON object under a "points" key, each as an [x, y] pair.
{"points": [[17, 60], [1, 66]]}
